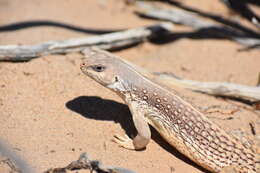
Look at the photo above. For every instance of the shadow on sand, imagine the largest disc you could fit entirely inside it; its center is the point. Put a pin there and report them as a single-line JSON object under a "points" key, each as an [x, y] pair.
{"points": [[93, 107]]}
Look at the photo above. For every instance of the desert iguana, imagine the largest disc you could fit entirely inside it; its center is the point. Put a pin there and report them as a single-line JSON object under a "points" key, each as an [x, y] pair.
{"points": [[180, 124]]}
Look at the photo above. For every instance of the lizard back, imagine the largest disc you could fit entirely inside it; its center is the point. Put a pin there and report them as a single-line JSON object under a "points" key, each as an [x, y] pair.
{"points": [[191, 132]]}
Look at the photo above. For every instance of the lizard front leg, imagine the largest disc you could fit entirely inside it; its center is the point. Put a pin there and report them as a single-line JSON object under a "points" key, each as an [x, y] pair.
{"points": [[143, 131]]}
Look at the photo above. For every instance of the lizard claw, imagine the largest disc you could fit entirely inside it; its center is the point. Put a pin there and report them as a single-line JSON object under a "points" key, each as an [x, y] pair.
{"points": [[122, 138], [124, 142]]}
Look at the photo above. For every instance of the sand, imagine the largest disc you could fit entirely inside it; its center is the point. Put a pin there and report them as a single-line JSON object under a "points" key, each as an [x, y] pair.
{"points": [[51, 112]]}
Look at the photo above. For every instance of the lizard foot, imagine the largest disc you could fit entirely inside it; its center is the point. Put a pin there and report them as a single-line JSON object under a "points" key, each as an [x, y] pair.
{"points": [[124, 142]]}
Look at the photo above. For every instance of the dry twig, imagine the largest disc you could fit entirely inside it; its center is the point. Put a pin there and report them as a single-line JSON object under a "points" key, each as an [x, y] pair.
{"points": [[85, 163], [16, 164], [11, 165], [244, 92], [191, 20], [242, 8], [106, 41]]}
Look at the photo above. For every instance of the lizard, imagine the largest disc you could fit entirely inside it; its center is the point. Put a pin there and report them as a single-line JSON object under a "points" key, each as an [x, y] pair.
{"points": [[176, 120]]}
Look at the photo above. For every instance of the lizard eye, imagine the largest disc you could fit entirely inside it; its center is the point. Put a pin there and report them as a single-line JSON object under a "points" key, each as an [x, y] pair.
{"points": [[98, 68]]}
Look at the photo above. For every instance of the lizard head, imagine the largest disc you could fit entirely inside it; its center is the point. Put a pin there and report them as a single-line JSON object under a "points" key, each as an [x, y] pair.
{"points": [[102, 67]]}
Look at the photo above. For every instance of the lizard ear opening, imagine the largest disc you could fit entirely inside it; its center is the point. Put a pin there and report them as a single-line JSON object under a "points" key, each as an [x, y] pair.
{"points": [[98, 68]]}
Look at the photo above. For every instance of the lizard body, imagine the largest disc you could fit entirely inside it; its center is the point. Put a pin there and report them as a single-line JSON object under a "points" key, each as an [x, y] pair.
{"points": [[179, 123]]}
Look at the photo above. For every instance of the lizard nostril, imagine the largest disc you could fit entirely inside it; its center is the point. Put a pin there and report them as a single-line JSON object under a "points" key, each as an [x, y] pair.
{"points": [[82, 65]]}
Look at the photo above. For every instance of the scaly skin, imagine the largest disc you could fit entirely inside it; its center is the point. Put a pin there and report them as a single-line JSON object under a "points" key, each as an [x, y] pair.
{"points": [[180, 124]]}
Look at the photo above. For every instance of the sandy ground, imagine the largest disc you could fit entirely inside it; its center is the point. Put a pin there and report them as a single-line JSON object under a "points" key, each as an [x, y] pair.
{"points": [[51, 112]]}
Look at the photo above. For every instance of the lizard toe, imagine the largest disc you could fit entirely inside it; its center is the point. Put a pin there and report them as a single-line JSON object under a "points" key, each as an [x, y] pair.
{"points": [[124, 142]]}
